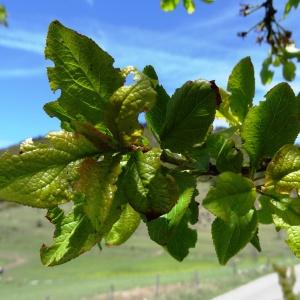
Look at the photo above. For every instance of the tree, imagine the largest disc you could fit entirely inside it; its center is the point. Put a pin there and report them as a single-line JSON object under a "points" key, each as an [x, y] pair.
{"points": [[102, 162], [283, 51]]}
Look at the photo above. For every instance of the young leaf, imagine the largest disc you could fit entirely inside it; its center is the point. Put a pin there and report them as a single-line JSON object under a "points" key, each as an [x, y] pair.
{"points": [[230, 237], [241, 84], [289, 5], [171, 230], [98, 185], [272, 124], [275, 205], [266, 74], [157, 115], [284, 209], [289, 71], [190, 114], [99, 135], [256, 242], [3, 15], [124, 227], [224, 110], [126, 104], [83, 72], [222, 149], [265, 212], [182, 240], [43, 174], [232, 193], [189, 5], [168, 5], [283, 172], [293, 235], [148, 187], [230, 158], [74, 235]]}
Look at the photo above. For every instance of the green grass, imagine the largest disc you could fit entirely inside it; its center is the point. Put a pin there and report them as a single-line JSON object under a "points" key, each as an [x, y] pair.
{"points": [[135, 264]]}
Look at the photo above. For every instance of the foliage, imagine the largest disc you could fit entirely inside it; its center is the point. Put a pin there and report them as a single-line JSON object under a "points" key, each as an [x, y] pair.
{"points": [[3, 15], [283, 51], [102, 162], [189, 5]]}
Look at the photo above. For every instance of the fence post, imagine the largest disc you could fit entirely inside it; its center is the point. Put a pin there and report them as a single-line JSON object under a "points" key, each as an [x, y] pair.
{"points": [[197, 280], [157, 286], [111, 292]]}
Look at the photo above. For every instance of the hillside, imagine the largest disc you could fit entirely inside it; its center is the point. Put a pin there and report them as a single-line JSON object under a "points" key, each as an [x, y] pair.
{"points": [[138, 263]]}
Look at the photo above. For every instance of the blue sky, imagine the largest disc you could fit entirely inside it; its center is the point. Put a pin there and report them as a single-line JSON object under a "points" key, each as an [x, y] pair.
{"points": [[180, 46]]}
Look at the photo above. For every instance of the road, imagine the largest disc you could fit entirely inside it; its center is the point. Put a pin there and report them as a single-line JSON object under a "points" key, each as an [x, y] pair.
{"points": [[264, 288]]}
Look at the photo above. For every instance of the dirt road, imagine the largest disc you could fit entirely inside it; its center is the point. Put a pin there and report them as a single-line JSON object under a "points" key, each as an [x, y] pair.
{"points": [[264, 288]]}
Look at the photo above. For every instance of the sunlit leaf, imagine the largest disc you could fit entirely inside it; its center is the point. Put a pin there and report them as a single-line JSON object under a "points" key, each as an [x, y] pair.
{"points": [[230, 237], [172, 229], [83, 72], [272, 124], [232, 193], [190, 114], [43, 174]]}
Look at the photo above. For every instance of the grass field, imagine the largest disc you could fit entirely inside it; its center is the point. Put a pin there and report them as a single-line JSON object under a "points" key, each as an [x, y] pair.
{"points": [[138, 263]]}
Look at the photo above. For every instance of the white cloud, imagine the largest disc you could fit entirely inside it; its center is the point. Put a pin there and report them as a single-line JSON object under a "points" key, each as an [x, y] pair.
{"points": [[22, 40], [90, 2], [178, 54], [21, 73]]}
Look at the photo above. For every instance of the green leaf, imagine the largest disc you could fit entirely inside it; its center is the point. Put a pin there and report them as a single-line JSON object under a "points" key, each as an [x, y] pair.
{"points": [[232, 193], [266, 74], [124, 227], [241, 84], [277, 61], [224, 152], [148, 187], [224, 110], [74, 235], [230, 237], [289, 5], [190, 114], [168, 5], [99, 135], [265, 212], [256, 242], [97, 207], [230, 158], [293, 235], [283, 171], [3, 15], [271, 124], [43, 174], [285, 210], [83, 72], [180, 242], [97, 185], [289, 71], [171, 230], [157, 115], [189, 5], [221, 149], [291, 51], [274, 205], [126, 104]]}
